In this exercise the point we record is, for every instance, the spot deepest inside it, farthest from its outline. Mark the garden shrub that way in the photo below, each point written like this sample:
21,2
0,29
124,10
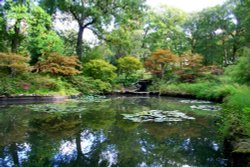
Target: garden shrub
13,63
100,69
59,65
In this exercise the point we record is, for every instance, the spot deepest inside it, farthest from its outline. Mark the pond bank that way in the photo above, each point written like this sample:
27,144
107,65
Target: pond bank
24,99
168,94
237,150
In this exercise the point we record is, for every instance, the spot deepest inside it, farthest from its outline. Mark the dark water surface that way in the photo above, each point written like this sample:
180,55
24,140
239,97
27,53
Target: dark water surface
78,133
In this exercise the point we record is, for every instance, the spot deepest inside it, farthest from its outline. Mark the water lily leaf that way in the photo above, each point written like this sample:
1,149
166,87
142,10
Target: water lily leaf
206,107
157,116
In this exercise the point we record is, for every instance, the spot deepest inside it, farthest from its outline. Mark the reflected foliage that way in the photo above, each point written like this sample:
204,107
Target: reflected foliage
99,136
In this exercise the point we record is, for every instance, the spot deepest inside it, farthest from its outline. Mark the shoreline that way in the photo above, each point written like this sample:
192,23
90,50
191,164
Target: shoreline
24,99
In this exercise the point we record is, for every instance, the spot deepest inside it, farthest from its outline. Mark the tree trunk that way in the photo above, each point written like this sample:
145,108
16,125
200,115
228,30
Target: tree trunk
79,42
234,53
192,45
162,71
15,40
225,57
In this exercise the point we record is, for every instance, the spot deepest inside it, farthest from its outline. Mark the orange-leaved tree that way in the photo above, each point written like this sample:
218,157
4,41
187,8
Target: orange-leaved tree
190,65
59,65
161,61
13,63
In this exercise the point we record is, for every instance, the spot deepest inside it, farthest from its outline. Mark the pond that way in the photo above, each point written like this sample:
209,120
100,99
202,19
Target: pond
96,133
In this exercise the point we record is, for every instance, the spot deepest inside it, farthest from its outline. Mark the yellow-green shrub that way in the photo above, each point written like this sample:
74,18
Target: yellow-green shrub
100,69
13,63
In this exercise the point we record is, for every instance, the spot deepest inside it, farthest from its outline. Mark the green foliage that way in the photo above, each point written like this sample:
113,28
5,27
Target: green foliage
128,65
240,98
127,40
98,52
95,15
242,14
69,38
214,33
44,44
35,84
120,41
16,15
128,81
240,72
236,112
203,89
100,69
164,29
42,40
3,32
87,85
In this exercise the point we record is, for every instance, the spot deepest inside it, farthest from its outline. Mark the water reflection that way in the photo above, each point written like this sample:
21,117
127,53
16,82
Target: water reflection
98,136
14,154
110,155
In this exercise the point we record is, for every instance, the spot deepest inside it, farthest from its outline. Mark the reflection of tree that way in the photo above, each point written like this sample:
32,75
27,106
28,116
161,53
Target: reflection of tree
56,125
84,150
48,130
13,125
180,143
14,154
13,130
99,117
132,104
98,136
189,128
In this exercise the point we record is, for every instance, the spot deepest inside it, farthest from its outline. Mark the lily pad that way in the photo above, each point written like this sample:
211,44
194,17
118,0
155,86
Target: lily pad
206,107
53,108
195,101
92,99
157,116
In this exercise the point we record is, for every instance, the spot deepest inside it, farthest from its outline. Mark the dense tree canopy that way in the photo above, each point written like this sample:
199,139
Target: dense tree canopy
167,41
97,15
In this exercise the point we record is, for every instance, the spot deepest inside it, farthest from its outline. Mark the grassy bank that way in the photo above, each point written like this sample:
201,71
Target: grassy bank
36,84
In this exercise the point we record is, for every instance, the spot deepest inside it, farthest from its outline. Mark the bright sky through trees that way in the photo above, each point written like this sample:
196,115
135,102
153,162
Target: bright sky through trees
186,5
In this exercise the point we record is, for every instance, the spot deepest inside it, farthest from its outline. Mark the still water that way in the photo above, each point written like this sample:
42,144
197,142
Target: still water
94,133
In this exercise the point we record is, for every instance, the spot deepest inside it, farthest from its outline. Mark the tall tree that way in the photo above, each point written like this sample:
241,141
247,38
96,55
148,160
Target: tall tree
242,16
42,40
3,30
16,14
214,33
98,14
163,29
